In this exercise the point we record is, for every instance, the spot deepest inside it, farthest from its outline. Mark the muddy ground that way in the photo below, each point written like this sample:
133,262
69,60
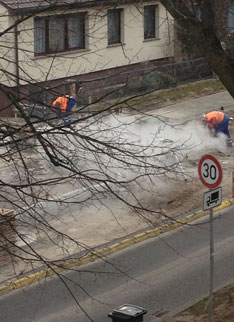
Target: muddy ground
223,308
191,192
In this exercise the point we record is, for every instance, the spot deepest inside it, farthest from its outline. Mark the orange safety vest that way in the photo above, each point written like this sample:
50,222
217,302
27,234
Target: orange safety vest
62,102
214,117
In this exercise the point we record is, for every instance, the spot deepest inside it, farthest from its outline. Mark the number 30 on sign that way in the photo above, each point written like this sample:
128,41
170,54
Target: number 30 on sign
210,171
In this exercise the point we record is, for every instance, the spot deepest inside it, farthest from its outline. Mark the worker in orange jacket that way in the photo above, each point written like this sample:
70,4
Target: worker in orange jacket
219,121
63,107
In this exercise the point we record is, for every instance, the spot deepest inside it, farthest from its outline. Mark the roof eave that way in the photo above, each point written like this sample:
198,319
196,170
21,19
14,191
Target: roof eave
88,3
6,6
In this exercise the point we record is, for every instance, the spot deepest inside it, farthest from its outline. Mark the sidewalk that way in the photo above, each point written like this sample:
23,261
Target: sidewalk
196,107
94,227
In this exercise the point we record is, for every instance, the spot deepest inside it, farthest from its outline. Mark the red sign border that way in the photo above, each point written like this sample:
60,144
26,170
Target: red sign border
217,183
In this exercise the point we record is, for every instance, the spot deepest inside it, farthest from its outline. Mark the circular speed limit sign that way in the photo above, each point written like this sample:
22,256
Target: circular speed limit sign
210,171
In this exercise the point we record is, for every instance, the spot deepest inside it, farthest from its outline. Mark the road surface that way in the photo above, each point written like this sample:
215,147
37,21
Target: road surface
161,275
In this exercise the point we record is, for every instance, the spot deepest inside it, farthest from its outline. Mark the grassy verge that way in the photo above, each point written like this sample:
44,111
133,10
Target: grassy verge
165,97
180,93
223,308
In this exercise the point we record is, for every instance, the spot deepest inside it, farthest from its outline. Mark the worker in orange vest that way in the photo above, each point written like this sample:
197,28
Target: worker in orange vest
63,107
219,121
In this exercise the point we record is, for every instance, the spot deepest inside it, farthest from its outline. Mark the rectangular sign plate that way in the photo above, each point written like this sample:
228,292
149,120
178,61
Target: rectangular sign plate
212,198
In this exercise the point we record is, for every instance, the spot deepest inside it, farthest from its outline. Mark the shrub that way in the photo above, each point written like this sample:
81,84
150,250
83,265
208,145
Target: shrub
150,81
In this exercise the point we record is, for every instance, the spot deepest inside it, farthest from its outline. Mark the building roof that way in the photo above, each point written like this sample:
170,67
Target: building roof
24,4
20,6
27,6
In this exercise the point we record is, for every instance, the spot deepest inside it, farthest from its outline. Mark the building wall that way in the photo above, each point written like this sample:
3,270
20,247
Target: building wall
99,55
7,49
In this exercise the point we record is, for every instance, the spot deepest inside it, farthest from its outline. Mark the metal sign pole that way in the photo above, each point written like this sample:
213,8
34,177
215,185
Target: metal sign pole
211,266
210,173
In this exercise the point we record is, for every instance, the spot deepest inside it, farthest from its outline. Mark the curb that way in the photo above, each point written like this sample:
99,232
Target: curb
98,254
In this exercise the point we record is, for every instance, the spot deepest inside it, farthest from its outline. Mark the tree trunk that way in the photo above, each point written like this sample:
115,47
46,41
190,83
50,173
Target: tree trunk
204,35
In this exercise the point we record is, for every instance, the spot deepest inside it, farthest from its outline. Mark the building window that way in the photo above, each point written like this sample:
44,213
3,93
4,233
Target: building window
150,22
197,12
59,33
230,15
114,26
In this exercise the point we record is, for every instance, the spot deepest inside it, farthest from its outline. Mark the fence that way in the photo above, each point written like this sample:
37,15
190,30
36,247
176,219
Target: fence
145,80
126,82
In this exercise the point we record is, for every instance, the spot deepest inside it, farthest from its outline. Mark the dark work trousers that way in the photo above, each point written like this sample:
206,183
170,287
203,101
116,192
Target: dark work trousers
64,115
223,127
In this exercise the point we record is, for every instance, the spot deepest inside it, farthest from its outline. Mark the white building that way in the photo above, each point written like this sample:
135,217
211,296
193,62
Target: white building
72,40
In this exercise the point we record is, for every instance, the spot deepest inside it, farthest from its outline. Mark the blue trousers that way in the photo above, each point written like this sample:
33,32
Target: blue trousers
223,127
66,116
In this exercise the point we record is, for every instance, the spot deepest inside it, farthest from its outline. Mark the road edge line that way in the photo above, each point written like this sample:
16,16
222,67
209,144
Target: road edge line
103,252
